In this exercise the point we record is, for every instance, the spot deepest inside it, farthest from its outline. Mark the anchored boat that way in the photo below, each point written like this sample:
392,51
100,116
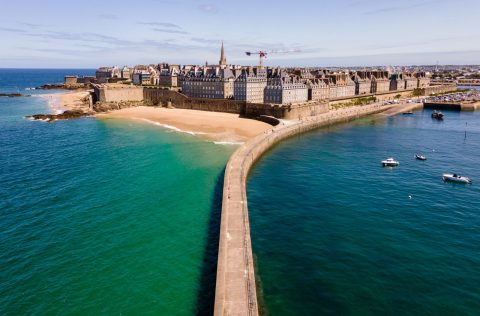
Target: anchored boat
455,178
437,115
390,162
420,157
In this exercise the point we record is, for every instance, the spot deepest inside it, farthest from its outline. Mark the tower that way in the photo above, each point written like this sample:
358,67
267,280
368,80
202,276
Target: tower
223,60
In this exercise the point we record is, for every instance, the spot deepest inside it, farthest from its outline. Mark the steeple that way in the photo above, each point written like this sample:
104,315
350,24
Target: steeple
223,60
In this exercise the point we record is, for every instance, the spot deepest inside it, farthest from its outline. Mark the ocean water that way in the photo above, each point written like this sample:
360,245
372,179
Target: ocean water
103,217
334,233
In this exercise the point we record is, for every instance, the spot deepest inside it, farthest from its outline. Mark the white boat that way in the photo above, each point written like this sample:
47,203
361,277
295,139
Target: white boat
390,162
420,157
455,178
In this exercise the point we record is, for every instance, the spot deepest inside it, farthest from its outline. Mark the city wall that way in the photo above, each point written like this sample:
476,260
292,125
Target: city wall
118,93
403,94
235,288
165,97
440,89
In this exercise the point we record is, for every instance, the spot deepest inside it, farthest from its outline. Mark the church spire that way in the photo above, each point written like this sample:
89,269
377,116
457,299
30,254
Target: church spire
223,60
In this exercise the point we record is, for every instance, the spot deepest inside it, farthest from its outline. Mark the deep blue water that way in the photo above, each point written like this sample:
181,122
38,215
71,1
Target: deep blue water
334,233
17,80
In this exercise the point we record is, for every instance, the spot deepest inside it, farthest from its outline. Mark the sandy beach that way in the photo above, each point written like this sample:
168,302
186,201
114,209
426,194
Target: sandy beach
220,127
60,102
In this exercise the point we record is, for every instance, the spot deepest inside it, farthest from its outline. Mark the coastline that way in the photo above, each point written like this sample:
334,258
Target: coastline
220,127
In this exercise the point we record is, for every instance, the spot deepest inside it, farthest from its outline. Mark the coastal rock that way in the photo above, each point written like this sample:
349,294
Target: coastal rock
61,86
71,114
13,95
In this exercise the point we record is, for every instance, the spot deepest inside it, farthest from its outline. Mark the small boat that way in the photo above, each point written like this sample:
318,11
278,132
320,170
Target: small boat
437,115
455,178
390,162
420,157
407,113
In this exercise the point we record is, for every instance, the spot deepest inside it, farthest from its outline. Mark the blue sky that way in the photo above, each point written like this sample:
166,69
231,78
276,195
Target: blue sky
88,33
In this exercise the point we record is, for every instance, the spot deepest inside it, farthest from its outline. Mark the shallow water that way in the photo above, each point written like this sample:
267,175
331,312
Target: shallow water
104,216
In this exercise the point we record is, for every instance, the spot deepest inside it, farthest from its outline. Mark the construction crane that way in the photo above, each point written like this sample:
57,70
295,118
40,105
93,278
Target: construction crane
260,53
263,54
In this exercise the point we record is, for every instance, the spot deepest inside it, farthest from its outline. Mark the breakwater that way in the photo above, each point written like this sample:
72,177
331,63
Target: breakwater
235,288
457,106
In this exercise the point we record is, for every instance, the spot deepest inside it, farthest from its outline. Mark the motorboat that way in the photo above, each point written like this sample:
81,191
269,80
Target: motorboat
437,115
407,113
390,162
420,157
455,178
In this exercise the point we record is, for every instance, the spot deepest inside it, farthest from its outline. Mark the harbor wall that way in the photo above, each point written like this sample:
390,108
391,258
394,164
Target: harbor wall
235,287
457,106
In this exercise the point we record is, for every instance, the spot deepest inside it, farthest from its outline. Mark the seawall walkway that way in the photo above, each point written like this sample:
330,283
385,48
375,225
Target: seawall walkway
235,288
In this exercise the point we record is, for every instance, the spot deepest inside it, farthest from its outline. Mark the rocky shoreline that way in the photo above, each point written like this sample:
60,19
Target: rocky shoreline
69,114
61,86
14,95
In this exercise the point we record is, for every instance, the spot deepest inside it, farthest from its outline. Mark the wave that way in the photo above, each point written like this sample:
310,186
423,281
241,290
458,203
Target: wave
228,143
171,127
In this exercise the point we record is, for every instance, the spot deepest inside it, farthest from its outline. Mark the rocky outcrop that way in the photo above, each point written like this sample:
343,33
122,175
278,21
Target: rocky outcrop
110,106
71,114
61,86
13,95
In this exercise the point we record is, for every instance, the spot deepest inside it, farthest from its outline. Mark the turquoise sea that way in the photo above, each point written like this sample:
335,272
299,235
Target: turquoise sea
334,233
103,217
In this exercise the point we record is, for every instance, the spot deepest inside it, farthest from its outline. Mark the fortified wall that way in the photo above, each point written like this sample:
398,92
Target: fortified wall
165,97
117,93
440,89
114,94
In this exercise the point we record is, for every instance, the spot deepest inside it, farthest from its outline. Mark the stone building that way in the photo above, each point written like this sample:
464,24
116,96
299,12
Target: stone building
250,85
397,83
423,80
223,59
169,75
210,82
104,74
126,73
70,80
286,90
341,85
380,82
363,84
318,89
411,81
141,77
154,75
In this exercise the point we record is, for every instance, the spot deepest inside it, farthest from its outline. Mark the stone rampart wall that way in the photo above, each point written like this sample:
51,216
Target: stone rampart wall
118,94
440,89
165,97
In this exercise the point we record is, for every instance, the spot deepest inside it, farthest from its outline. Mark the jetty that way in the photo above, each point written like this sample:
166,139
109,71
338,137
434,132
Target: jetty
457,106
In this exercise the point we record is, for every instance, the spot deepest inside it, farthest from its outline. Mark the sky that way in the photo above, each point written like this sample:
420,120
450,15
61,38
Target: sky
93,33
